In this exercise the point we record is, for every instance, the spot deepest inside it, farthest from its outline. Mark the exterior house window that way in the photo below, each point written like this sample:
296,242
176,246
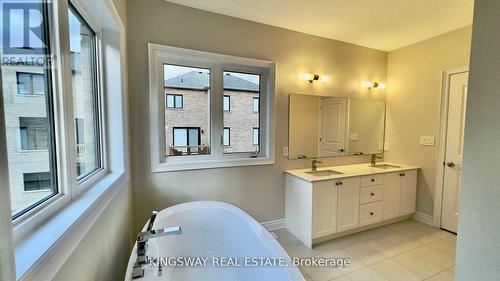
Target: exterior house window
187,140
175,101
222,141
226,140
34,133
227,103
30,83
256,102
255,136
37,181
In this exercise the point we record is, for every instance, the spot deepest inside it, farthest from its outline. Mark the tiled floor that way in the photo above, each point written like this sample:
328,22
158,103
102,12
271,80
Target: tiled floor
404,251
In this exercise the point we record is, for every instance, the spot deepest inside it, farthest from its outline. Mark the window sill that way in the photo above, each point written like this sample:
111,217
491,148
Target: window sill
41,254
210,164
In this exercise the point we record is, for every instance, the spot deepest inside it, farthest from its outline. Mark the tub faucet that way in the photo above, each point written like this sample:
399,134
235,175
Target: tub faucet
314,164
142,239
374,158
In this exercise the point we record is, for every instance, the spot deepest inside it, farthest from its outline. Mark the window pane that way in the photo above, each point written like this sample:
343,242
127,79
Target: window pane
170,101
256,104
85,98
227,103
178,101
256,136
243,88
187,131
226,141
29,120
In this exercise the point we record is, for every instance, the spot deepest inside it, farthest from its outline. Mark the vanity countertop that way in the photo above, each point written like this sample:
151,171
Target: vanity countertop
347,171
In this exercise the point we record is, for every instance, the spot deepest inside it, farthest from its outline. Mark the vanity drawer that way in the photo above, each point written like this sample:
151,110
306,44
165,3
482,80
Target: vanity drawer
371,194
370,213
372,180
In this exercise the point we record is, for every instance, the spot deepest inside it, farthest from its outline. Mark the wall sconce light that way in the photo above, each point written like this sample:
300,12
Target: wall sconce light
370,84
313,77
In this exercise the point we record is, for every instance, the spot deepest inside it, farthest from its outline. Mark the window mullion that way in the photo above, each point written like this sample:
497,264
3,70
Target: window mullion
216,111
67,145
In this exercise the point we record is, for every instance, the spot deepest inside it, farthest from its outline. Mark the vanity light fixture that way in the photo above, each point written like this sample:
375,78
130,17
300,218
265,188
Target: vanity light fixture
313,77
370,84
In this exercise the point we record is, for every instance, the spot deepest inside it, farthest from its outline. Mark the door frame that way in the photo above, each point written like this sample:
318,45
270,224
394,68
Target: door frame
443,131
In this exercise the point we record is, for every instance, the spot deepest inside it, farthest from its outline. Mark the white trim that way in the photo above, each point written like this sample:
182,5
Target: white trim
83,213
274,225
160,54
443,123
422,217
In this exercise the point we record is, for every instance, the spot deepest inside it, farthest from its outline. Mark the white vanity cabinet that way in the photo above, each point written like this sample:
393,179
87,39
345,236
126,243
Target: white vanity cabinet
319,208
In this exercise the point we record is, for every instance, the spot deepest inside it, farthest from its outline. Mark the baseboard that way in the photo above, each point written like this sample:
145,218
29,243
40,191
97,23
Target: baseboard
425,218
274,225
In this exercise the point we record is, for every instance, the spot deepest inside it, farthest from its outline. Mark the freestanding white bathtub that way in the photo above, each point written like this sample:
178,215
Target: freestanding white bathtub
235,246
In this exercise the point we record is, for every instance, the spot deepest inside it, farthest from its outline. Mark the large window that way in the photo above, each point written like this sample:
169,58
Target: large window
29,121
244,88
187,131
85,94
222,96
30,83
51,107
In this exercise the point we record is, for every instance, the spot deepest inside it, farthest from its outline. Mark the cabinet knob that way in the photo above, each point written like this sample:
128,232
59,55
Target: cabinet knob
372,194
371,213
402,175
340,183
373,180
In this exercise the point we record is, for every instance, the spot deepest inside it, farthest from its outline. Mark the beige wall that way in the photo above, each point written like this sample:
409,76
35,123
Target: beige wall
259,190
367,120
478,240
103,254
413,103
303,126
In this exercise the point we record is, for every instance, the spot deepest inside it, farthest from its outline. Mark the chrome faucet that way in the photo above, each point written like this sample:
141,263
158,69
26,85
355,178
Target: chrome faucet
374,158
142,239
314,164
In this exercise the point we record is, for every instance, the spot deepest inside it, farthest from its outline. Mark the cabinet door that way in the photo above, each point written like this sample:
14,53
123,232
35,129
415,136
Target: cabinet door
408,192
347,203
324,208
390,205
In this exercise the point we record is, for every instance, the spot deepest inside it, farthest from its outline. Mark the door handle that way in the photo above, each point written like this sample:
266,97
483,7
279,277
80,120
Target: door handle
341,150
450,164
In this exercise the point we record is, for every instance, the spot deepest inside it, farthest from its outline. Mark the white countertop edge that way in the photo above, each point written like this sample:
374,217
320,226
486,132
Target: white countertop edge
301,173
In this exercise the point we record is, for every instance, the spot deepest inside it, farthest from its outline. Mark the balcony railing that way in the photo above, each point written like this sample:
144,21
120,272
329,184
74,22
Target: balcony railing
179,150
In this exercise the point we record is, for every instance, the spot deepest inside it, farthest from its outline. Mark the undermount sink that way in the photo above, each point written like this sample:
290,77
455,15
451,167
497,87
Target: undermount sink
324,173
384,166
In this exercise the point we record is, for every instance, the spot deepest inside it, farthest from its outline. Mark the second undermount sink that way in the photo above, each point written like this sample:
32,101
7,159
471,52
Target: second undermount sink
385,166
324,173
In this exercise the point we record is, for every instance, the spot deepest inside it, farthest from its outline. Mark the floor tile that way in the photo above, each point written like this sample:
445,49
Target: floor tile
392,271
366,274
442,276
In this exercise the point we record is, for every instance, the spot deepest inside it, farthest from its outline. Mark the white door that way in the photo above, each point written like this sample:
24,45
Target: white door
347,203
454,147
333,126
324,208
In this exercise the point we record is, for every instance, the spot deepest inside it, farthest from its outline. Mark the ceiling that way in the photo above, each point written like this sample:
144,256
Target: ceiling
379,24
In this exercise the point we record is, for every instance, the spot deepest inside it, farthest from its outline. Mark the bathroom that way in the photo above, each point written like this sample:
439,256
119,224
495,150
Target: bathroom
387,69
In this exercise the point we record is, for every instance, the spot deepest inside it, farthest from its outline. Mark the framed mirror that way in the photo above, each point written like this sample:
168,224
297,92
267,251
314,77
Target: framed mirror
321,126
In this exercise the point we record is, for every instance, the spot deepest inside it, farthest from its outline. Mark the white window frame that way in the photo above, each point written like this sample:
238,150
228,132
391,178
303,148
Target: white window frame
69,188
217,63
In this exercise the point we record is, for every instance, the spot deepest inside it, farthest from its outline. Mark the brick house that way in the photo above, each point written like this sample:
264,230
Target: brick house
187,114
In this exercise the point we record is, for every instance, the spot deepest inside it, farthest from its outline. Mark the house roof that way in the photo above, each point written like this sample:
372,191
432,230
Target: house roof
200,81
